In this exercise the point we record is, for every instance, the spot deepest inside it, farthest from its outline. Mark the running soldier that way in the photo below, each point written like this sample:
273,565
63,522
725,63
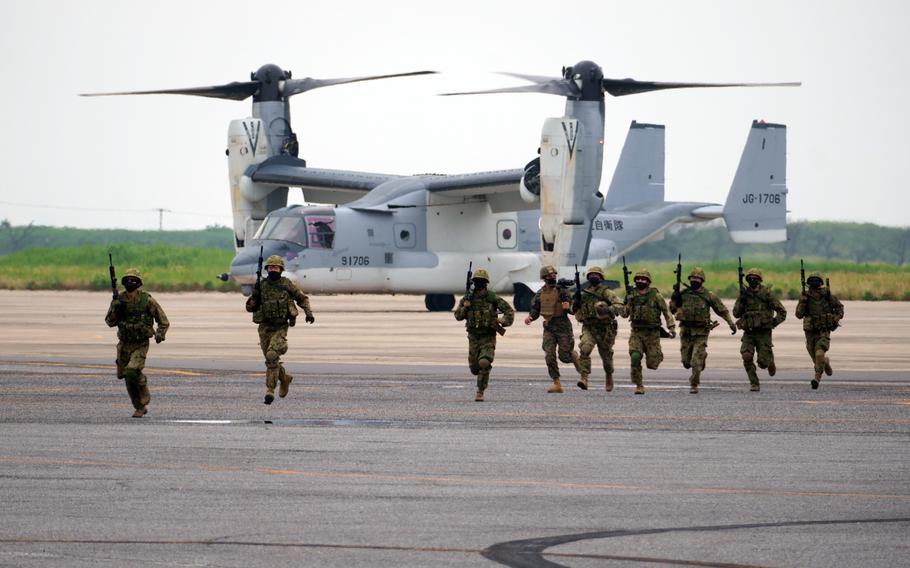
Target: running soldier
134,313
552,303
821,314
480,310
758,312
692,308
272,306
644,307
597,314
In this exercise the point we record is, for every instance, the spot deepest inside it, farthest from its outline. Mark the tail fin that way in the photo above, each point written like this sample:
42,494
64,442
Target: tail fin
639,174
756,207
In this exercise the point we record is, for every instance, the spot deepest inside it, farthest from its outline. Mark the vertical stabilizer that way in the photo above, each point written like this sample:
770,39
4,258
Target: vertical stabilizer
639,174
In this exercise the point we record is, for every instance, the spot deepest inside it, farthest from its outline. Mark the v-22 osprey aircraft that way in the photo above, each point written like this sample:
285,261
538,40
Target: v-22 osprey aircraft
417,234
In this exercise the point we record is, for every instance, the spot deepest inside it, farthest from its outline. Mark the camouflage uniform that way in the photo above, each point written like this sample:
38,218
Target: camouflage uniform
480,312
557,330
758,312
644,308
134,315
821,314
597,314
274,311
693,312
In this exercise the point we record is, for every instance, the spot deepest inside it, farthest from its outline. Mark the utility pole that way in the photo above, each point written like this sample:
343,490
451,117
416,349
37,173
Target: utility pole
161,211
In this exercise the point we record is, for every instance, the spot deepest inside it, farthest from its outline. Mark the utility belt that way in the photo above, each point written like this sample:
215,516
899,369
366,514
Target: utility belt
753,321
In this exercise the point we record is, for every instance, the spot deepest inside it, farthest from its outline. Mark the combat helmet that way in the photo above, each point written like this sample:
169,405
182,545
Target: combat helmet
697,272
817,275
132,273
545,270
481,274
643,274
754,272
595,270
275,260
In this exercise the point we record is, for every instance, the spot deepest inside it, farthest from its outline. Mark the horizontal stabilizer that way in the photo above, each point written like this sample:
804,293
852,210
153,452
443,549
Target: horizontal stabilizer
756,207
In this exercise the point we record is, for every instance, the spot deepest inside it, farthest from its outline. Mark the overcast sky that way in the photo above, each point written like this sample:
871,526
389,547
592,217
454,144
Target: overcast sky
848,155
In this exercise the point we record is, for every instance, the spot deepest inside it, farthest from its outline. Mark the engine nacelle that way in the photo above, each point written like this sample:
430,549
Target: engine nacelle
529,188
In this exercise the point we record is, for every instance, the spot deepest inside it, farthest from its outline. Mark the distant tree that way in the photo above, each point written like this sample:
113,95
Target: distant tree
16,237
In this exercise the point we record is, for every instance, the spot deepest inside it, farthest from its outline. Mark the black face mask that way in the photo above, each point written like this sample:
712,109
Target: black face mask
815,283
480,284
273,276
641,285
594,279
550,281
694,284
131,284
753,282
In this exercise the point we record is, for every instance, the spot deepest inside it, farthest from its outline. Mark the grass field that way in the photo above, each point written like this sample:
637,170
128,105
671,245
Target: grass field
176,268
849,281
163,267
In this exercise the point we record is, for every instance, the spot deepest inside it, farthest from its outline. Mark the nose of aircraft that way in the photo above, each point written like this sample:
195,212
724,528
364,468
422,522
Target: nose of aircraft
243,267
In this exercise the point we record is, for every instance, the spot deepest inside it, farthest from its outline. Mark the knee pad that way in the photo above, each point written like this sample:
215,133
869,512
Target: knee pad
271,359
484,364
565,357
636,358
747,356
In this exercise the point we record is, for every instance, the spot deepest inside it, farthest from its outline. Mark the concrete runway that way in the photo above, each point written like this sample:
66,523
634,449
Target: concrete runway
379,457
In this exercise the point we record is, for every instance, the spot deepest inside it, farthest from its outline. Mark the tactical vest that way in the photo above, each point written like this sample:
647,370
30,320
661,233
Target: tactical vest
550,303
135,322
696,310
819,314
644,312
593,295
480,316
757,311
274,303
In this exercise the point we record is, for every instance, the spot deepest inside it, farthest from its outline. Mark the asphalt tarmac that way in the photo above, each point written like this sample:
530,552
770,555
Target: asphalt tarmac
380,457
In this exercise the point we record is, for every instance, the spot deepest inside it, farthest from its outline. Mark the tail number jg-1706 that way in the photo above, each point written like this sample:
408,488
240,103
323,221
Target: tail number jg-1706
763,198
355,261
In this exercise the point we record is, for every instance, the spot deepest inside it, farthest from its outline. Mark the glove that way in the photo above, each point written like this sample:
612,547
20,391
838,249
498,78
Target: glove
733,328
292,322
466,303
672,334
528,320
159,337
310,318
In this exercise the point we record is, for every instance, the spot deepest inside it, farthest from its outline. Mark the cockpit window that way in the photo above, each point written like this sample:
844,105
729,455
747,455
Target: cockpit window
290,229
320,231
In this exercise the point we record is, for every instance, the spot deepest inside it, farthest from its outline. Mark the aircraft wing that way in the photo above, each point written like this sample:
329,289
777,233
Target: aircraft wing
499,188
318,185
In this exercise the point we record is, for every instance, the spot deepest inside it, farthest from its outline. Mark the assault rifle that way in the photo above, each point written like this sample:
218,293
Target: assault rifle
676,297
110,260
467,281
576,301
625,277
802,275
742,288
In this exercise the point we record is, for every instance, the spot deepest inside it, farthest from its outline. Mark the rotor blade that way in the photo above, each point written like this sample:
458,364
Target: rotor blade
558,87
234,91
296,86
621,87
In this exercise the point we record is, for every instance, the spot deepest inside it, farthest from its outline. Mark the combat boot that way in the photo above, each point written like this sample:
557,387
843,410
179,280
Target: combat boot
639,389
693,389
583,382
772,369
479,396
815,382
140,412
755,387
555,387
609,384
269,396
285,380
828,370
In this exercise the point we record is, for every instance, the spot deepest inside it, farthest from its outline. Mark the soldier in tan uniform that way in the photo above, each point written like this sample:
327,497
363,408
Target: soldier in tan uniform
644,307
553,305
692,307
759,312
273,309
134,313
821,314
597,314
480,311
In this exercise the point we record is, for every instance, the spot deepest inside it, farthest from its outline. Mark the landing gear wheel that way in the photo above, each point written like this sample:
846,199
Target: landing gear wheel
439,302
522,297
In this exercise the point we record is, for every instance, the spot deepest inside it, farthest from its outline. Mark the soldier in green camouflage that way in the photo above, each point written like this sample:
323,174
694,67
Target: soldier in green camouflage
758,312
480,311
644,307
597,314
273,309
134,313
692,308
553,305
821,314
